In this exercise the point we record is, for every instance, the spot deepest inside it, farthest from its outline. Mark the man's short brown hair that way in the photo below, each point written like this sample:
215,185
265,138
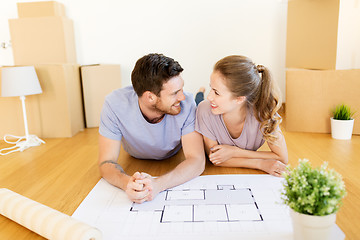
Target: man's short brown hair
152,71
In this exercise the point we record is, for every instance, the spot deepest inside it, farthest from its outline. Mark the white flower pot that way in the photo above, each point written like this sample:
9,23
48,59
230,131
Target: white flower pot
341,129
309,227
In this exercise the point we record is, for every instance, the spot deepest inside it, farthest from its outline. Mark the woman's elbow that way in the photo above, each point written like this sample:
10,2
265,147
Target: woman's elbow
285,159
282,157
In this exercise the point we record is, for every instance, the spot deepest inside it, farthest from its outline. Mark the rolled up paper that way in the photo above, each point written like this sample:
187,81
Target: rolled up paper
43,220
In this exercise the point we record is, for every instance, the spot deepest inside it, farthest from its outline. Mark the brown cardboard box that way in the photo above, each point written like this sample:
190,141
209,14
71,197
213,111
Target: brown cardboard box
11,117
97,82
312,29
311,95
61,109
44,40
40,9
57,112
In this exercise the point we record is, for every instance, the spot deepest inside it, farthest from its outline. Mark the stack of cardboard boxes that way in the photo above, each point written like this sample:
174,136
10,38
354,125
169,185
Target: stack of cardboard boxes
43,36
314,86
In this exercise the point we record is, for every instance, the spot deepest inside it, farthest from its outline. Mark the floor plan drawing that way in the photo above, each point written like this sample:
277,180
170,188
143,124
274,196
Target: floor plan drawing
206,208
223,204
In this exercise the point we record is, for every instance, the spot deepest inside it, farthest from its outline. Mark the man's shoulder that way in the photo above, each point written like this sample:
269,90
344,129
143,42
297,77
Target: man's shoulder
121,95
121,100
189,99
188,104
125,92
188,95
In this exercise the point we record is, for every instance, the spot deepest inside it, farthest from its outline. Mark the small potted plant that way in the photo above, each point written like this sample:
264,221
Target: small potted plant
314,195
342,122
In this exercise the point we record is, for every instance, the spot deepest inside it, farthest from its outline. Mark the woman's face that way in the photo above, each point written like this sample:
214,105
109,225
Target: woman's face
221,99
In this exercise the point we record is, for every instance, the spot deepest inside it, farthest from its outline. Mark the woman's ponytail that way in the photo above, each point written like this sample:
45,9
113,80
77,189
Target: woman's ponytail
266,104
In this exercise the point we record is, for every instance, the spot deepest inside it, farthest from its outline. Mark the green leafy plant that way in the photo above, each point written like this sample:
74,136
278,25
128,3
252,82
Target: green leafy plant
317,191
342,112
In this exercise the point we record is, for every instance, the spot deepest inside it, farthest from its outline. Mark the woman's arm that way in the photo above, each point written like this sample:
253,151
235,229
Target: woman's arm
273,162
278,151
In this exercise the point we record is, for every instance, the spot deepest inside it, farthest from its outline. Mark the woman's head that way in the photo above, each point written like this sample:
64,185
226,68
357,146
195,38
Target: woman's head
241,76
252,83
221,98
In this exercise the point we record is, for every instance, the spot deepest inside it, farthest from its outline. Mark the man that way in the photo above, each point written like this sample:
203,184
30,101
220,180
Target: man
151,119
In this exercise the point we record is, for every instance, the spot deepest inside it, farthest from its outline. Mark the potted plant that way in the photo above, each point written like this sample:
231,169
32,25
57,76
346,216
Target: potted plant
342,122
314,195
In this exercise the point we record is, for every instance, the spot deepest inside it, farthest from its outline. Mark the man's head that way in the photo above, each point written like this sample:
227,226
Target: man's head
152,71
156,80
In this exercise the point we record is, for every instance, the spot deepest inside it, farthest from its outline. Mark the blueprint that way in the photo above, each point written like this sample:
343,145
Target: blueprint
207,207
224,204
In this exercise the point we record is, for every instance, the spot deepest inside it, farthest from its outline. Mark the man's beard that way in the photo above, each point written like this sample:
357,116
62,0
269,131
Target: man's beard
171,110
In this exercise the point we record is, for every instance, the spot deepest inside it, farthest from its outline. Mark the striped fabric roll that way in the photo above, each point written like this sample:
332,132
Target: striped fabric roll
43,220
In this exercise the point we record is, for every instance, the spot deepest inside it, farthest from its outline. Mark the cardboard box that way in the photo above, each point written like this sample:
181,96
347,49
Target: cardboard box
61,110
311,95
312,33
97,82
57,112
45,40
40,9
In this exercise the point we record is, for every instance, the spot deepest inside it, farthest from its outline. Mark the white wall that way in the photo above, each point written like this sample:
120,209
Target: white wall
348,41
7,10
196,33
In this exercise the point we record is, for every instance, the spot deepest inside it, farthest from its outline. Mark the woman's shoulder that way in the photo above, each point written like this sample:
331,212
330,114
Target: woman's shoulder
253,122
204,109
206,122
251,115
204,106
251,119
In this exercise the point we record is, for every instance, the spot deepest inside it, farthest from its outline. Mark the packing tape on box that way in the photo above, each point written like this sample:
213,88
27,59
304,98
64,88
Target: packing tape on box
43,220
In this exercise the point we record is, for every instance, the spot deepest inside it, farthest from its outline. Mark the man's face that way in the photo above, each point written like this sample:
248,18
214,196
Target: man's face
170,96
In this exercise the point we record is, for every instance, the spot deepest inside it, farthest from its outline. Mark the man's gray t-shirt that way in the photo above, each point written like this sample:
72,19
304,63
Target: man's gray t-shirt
122,120
213,127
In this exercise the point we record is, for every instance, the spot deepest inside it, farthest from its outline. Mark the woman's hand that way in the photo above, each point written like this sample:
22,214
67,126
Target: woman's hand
221,153
273,167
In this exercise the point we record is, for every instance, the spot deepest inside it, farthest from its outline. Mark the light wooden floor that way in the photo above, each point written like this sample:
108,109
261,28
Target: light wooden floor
344,157
61,173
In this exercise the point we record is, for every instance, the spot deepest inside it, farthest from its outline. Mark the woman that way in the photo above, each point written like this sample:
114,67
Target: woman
240,115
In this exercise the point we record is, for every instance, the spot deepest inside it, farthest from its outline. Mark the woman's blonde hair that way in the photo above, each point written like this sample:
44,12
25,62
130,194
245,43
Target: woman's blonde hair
244,78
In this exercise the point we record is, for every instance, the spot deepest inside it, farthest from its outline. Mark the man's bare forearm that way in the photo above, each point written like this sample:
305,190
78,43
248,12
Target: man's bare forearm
185,171
191,167
112,172
117,166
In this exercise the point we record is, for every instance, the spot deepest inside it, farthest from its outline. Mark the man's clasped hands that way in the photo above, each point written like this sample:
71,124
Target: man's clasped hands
141,187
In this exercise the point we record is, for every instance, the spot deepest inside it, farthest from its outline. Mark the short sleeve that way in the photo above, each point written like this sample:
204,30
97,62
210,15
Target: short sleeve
189,124
203,120
109,123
